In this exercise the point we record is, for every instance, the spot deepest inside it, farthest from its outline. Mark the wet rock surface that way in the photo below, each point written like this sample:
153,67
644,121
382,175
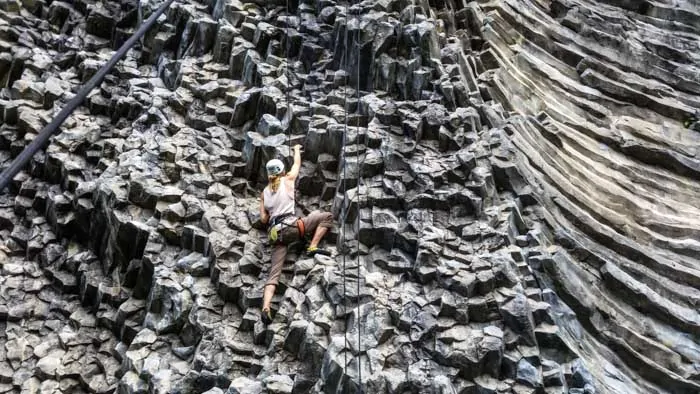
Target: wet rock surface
131,259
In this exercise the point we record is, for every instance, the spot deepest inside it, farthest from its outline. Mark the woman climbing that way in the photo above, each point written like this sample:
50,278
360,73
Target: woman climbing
277,210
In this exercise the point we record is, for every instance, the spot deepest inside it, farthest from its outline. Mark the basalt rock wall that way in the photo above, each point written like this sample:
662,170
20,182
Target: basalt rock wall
606,134
514,184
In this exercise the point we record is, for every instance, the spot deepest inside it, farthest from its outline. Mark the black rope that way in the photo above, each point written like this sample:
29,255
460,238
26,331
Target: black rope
23,158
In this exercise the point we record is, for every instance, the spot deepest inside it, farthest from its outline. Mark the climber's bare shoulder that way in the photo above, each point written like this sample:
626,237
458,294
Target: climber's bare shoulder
290,180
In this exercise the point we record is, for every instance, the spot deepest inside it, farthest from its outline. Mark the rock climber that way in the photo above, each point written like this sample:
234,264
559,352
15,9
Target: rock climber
277,211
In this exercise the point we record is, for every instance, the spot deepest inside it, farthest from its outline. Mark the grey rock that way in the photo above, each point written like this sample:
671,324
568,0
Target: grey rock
486,384
100,22
528,374
6,373
479,152
281,384
217,191
552,375
295,336
491,355
194,264
168,306
243,109
31,385
131,383
580,375
269,125
518,317
243,385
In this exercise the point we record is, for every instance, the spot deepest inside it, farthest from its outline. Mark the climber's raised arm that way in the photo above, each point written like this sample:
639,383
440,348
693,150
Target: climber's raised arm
294,172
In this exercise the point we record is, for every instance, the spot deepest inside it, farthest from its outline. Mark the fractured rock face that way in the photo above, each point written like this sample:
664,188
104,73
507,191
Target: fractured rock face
621,235
473,156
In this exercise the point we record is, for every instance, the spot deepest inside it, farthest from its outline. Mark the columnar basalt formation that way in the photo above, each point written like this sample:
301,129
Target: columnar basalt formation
606,134
518,180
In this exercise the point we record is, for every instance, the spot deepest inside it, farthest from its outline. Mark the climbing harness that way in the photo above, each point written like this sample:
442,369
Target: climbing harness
278,223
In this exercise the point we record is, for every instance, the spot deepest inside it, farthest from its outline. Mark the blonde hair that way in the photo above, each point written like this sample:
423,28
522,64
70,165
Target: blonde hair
274,182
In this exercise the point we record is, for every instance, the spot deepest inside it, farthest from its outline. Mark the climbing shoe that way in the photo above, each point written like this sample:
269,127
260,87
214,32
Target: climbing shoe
312,251
266,316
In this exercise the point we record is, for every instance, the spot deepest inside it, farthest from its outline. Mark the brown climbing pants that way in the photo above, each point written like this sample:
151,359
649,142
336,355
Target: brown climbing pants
290,234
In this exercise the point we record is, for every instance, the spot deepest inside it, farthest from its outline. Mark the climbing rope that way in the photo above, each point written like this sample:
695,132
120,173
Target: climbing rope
40,140
343,213
414,3
358,42
289,114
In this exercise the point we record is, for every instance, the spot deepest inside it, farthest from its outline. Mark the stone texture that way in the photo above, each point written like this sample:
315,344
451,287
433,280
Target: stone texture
519,183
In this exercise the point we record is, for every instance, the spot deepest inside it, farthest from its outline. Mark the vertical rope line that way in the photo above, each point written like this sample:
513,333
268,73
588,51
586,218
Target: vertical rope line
415,4
386,139
289,114
358,43
344,66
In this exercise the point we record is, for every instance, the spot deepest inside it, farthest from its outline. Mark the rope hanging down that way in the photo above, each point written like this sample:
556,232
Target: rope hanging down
40,140
343,213
358,42
345,67
289,114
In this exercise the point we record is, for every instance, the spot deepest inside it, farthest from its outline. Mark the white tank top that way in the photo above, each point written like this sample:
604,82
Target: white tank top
280,202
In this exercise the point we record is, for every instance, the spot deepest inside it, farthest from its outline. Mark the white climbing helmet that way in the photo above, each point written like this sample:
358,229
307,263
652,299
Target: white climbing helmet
274,167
